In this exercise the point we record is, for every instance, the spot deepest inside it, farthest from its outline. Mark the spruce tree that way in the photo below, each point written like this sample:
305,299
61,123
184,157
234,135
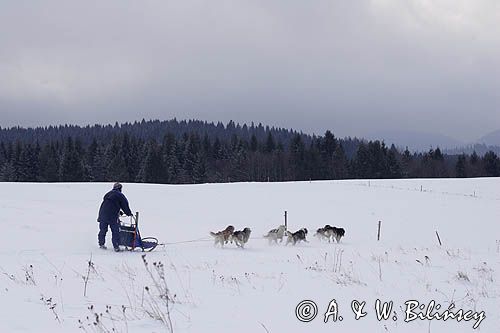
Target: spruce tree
270,144
71,168
340,163
393,165
200,169
152,169
406,163
460,167
8,172
297,158
254,144
116,167
491,164
49,164
361,165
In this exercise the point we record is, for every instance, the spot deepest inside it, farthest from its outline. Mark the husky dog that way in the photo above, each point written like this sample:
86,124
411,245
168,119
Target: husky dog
296,237
223,236
275,234
324,233
241,237
338,233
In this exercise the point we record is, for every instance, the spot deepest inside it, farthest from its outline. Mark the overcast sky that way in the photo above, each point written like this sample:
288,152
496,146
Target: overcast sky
356,67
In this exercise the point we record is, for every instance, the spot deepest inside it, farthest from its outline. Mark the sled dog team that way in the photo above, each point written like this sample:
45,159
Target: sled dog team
241,237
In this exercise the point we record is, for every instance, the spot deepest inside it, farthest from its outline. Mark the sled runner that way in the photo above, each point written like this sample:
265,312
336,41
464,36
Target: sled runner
130,237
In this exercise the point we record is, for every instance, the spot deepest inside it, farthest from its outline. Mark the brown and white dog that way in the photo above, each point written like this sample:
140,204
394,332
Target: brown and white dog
223,236
241,237
296,237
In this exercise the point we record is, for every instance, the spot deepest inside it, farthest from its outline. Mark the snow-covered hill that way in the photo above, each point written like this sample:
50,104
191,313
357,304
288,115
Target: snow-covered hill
50,235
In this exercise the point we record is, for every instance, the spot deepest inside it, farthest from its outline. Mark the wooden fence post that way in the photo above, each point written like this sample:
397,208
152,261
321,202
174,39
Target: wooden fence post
378,233
286,222
439,239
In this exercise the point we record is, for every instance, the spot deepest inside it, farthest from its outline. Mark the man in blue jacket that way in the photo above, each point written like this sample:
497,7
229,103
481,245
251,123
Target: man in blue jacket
112,202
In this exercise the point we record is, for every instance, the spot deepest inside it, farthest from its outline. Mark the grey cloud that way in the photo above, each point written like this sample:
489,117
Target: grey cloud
356,67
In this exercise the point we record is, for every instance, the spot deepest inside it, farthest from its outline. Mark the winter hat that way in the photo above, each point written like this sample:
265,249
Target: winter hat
117,186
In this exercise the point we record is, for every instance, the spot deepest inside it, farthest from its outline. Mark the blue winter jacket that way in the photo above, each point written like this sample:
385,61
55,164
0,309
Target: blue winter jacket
112,202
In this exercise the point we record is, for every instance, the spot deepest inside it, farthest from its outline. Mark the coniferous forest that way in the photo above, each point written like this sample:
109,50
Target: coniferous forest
181,152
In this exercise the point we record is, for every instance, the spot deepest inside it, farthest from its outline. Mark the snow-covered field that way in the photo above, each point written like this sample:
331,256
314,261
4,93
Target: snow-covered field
49,235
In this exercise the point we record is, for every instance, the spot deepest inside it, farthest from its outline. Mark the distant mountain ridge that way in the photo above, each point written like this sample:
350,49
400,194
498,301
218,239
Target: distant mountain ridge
416,141
492,138
488,142
424,141
479,148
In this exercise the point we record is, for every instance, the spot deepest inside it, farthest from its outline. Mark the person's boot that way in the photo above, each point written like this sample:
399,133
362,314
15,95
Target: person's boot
117,249
103,247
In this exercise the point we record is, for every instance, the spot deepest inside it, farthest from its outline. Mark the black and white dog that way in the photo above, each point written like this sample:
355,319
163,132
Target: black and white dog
241,237
324,233
296,237
338,233
330,233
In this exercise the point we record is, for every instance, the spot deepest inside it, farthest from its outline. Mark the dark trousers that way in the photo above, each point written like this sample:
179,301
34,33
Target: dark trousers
115,232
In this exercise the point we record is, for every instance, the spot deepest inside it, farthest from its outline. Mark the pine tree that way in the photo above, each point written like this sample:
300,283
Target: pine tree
71,168
297,158
312,164
270,144
172,164
152,169
340,163
217,150
237,162
475,167
98,163
129,158
474,158
361,165
327,147
433,164
200,169
406,163
460,167
8,172
491,164
17,162
25,168
393,165
329,144
192,148
116,167
254,144
49,164
3,154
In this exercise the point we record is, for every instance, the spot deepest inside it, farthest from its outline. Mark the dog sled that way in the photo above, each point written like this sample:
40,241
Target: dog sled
131,239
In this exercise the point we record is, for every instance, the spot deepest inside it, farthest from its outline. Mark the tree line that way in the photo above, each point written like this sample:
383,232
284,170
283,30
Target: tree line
198,152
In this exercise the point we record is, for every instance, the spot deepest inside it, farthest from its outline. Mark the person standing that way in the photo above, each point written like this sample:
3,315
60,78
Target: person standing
112,203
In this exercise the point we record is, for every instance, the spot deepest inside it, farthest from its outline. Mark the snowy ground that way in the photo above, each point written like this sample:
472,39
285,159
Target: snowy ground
49,236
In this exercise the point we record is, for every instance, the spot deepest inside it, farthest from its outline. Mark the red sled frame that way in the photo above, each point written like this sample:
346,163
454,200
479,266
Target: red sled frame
131,239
